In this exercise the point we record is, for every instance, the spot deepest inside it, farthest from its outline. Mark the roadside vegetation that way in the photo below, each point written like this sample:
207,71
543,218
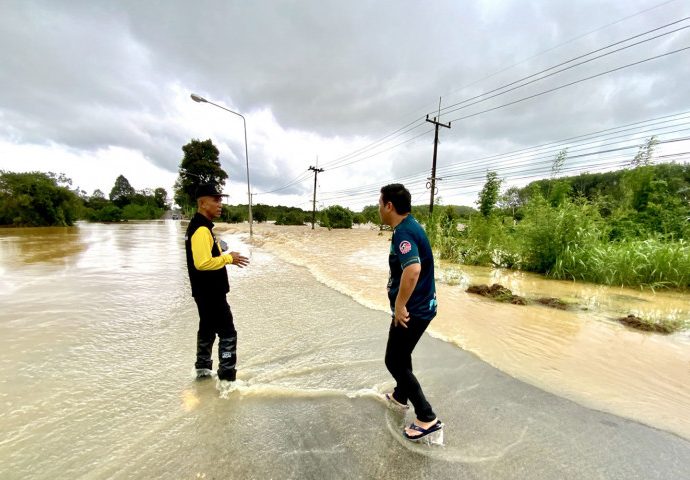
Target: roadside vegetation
629,227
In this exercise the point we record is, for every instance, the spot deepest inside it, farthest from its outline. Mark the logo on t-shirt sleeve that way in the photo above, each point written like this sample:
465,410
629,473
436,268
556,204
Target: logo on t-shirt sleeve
405,247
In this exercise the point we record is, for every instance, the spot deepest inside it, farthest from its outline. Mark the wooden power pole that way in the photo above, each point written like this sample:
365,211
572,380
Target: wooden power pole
432,180
313,208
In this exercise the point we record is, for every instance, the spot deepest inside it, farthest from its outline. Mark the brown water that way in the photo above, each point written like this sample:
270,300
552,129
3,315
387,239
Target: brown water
97,332
582,354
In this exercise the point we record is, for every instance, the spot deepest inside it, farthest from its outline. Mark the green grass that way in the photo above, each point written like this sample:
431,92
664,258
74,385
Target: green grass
651,263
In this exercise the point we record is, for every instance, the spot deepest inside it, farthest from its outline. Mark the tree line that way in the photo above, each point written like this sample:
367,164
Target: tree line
48,199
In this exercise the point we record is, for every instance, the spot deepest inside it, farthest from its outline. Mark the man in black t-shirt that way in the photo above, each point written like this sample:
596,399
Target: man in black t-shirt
412,295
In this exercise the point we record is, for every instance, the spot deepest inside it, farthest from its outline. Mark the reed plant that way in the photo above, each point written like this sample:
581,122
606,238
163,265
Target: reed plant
481,241
546,233
654,262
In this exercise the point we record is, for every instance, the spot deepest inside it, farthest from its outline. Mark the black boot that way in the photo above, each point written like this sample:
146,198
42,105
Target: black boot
227,358
204,346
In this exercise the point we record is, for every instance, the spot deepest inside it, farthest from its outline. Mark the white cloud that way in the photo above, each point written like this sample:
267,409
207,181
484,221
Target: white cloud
88,170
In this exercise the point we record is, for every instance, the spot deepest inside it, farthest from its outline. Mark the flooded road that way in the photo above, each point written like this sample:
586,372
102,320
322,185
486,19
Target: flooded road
582,353
97,332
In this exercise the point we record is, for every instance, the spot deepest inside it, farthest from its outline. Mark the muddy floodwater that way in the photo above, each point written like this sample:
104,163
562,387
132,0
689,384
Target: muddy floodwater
581,353
97,332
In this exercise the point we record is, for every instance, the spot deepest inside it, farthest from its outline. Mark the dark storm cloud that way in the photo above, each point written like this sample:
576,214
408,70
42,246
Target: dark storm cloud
90,75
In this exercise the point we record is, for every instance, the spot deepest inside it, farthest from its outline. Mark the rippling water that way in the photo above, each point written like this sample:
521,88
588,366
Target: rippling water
580,353
97,332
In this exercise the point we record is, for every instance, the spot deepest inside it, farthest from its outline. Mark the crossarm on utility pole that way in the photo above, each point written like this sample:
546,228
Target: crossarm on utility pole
433,166
313,209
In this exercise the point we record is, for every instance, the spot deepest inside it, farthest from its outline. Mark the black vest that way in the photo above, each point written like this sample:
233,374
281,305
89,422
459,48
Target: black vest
204,282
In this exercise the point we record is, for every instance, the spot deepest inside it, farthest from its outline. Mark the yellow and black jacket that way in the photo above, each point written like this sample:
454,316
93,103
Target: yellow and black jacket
205,261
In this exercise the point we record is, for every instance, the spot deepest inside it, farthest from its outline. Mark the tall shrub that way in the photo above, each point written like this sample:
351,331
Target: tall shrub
546,232
336,217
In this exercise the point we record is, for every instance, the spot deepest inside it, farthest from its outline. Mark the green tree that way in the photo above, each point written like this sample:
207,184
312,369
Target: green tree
200,164
109,213
645,153
97,200
234,214
141,211
465,212
37,199
161,197
260,213
290,218
489,194
371,214
122,192
336,217
559,190
359,219
510,200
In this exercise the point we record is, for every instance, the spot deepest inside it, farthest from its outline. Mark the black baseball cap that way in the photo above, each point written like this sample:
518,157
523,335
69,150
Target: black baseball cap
209,190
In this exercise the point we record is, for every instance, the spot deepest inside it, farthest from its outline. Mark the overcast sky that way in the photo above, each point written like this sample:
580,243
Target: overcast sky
96,89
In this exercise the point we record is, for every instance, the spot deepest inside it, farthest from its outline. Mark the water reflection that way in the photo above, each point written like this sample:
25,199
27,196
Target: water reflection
45,244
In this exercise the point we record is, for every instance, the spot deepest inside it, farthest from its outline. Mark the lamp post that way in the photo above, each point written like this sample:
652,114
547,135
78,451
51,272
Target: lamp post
200,99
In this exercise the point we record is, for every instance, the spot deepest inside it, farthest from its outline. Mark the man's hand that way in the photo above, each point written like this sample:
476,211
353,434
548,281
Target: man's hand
239,260
401,316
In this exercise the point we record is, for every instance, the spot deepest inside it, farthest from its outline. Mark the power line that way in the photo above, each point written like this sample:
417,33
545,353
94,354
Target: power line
449,109
391,136
535,169
383,151
527,171
333,162
589,138
656,57
571,40
298,179
400,132
616,162
539,168
549,155
545,167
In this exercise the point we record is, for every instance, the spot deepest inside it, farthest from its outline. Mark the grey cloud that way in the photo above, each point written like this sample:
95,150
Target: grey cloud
90,75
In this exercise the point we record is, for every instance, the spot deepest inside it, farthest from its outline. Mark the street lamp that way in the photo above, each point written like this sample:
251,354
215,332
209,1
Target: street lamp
200,99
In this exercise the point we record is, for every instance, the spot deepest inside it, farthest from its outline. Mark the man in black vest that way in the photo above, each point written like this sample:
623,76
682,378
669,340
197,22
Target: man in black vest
206,266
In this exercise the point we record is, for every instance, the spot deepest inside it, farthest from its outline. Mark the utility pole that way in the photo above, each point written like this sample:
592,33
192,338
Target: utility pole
432,181
313,209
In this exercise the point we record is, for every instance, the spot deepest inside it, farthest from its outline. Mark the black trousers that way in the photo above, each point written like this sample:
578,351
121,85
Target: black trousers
215,318
401,343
